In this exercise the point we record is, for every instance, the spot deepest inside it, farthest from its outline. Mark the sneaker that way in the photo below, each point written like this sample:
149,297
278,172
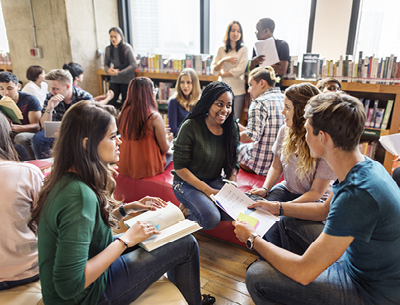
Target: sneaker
207,299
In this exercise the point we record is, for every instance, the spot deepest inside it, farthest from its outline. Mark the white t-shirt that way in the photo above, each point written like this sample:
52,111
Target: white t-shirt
19,190
33,89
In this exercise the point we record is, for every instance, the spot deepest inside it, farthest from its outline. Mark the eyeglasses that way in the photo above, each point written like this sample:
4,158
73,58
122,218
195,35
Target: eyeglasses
155,90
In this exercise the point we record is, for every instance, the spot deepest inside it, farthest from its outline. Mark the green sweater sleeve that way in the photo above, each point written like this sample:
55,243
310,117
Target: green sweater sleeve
74,226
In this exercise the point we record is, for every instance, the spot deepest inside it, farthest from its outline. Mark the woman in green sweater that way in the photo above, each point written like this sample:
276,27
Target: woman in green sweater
79,260
205,154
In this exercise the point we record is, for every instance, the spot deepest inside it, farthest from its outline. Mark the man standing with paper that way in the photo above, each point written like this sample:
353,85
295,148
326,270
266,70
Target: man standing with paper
269,51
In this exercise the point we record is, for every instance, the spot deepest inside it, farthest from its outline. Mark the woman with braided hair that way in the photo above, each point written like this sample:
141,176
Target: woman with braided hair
205,147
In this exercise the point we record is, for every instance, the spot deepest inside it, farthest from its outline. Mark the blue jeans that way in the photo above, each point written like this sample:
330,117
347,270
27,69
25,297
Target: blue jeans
11,284
267,285
280,193
201,208
136,269
42,145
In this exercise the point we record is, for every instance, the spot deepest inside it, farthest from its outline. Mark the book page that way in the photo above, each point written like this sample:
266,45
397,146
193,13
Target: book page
160,218
170,234
391,143
234,202
267,48
10,109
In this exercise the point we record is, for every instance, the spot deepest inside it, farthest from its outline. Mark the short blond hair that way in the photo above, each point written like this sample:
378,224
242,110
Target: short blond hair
59,75
266,73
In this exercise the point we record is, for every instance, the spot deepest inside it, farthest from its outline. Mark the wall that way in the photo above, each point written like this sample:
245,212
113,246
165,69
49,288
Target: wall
331,28
65,30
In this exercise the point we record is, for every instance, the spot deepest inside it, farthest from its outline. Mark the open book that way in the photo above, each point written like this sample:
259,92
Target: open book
235,203
391,143
169,221
10,109
267,48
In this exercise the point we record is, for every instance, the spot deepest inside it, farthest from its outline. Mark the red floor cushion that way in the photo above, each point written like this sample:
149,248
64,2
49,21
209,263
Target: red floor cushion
129,189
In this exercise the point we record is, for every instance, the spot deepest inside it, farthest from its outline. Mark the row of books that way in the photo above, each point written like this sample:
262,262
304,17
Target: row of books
368,69
158,63
5,58
368,148
165,91
377,117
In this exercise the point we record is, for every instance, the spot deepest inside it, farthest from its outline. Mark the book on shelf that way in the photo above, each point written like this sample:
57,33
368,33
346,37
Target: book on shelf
169,221
379,117
10,109
368,148
374,108
309,67
386,116
235,203
369,117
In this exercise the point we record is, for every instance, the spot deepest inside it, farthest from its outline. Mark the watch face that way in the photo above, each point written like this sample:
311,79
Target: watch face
249,244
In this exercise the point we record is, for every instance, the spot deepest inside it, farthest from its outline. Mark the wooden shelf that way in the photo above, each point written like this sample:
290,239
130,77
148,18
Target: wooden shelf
360,88
6,68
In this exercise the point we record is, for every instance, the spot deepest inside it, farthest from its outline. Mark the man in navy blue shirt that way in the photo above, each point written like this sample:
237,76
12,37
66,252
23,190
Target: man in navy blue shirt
30,108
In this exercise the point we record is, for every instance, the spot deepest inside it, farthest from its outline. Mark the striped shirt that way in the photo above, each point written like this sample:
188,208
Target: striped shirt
264,120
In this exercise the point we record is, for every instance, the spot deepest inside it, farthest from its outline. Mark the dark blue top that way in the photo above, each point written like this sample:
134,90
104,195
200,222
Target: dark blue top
366,205
176,114
27,103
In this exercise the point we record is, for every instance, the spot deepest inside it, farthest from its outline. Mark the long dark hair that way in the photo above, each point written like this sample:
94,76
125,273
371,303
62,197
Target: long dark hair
209,95
135,111
227,40
74,68
7,151
122,47
90,120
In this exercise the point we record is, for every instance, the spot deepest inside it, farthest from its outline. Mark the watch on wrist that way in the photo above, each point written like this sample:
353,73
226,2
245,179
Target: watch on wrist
250,240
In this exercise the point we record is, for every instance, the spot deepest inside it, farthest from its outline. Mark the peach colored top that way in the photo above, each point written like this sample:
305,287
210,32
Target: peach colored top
142,158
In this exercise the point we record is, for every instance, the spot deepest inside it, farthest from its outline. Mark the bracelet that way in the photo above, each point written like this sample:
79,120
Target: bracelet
266,189
280,209
122,211
122,241
49,112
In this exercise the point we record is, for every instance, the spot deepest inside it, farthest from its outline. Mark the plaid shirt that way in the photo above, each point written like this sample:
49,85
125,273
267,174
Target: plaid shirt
265,119
61,108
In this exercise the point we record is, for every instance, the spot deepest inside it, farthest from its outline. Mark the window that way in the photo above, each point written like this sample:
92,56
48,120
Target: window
379,28
3,36
166,27
291,21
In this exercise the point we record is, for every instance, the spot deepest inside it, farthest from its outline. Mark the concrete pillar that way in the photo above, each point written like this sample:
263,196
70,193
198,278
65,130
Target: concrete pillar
65,30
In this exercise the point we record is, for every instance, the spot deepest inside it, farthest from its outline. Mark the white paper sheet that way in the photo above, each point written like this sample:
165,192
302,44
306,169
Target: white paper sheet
267,48
391,143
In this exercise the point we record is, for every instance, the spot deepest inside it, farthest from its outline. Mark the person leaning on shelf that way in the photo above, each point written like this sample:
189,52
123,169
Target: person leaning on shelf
329,84
230,64
187,93
120,64
19,194
76,71
144,139
206,145
80,262
264,120
355,259
265,29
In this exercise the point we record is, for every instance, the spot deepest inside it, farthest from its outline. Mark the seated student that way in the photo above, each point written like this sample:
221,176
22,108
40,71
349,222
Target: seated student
187,93
144,139
306,178
355,260
79,260
62,95
329,84
76,71
30,108
264,120
206,145
36,85
19,193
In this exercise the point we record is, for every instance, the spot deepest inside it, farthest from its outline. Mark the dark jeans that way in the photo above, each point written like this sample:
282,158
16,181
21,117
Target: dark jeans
42,145
118,89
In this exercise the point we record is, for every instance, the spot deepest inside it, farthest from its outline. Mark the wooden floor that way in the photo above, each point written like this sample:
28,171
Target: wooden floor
223,270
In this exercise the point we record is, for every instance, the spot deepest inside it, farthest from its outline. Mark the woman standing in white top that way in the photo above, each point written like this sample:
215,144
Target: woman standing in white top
37,86
230,64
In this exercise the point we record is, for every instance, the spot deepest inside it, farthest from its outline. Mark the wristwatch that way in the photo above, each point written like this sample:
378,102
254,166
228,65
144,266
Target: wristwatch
250,241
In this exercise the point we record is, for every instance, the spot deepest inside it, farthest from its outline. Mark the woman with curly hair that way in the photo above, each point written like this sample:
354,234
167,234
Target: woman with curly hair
305,178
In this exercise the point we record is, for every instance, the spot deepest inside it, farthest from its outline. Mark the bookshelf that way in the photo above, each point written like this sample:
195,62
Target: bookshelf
6,68
373,91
